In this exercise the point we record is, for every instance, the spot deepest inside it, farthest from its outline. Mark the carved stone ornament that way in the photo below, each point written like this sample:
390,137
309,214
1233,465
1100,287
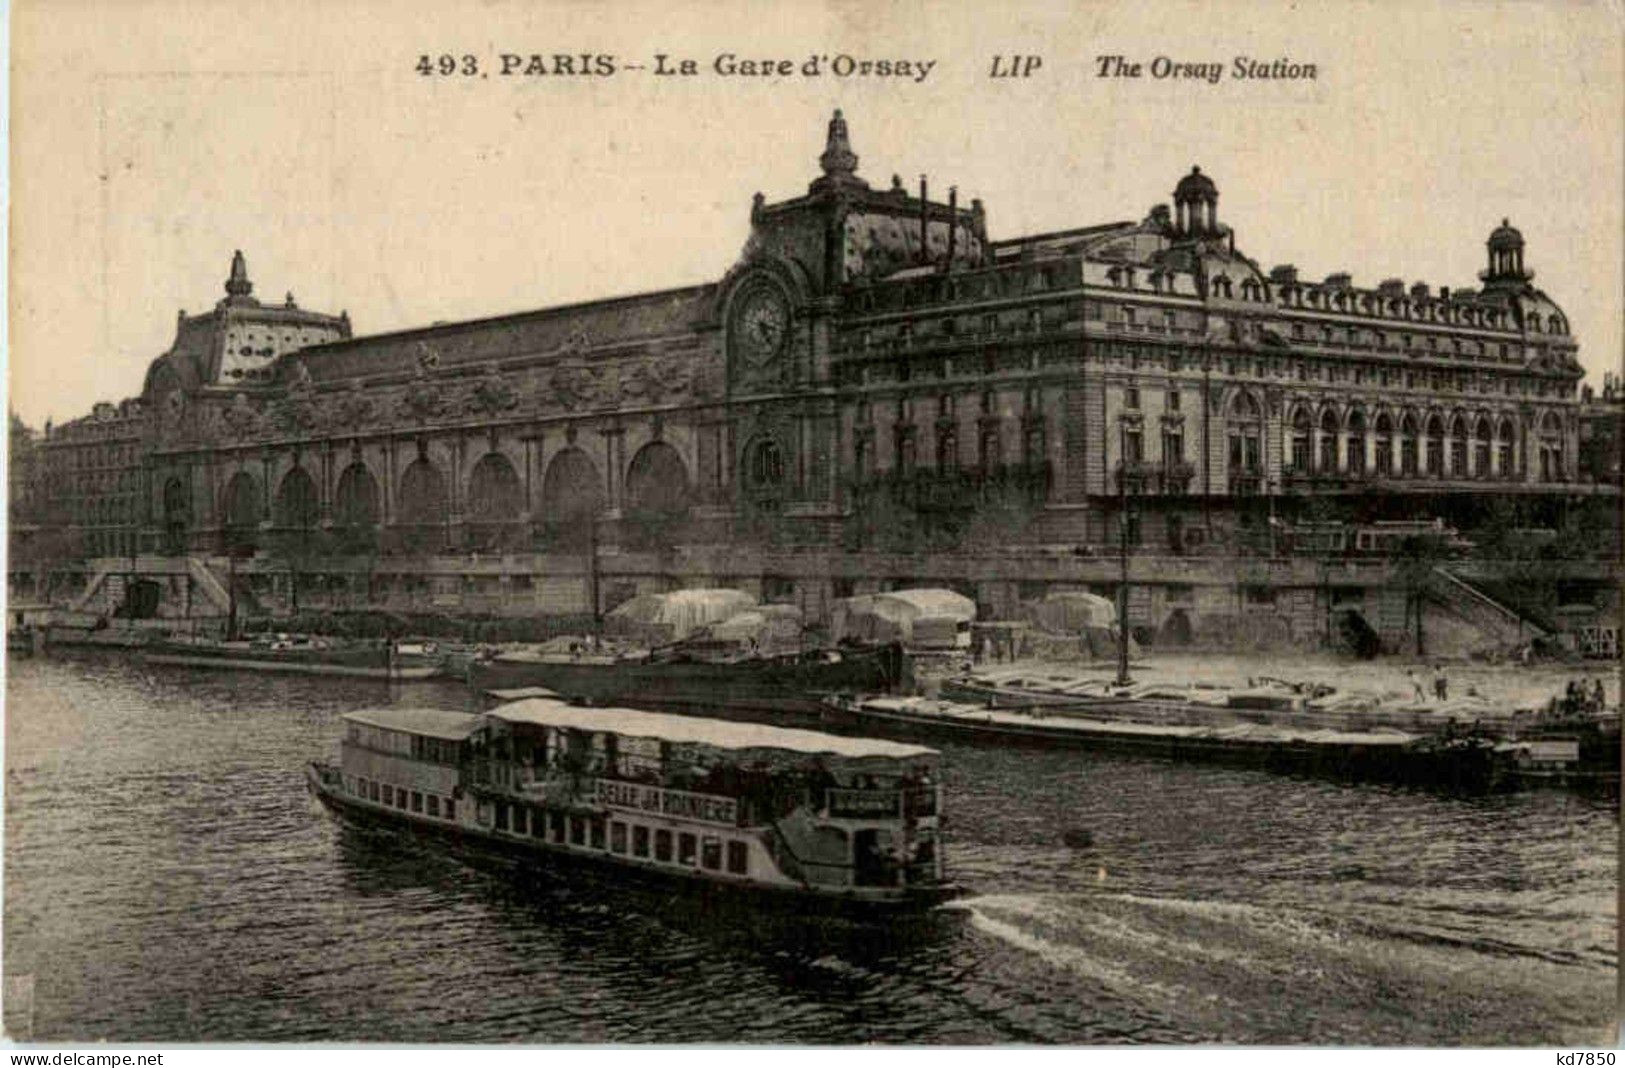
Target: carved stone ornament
355,408
576,385
241,418
492,394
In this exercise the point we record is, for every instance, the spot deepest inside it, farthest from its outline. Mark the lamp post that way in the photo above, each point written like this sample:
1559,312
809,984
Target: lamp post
1122,583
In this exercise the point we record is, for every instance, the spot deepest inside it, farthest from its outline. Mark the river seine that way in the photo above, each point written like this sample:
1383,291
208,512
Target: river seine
168,879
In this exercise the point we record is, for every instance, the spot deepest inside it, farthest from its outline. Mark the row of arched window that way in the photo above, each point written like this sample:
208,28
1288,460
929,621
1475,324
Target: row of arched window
657,481
1409,444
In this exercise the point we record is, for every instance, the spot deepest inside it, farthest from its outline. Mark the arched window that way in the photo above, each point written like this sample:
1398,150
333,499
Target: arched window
421,507
297,504
763,472
1457,447
1300,441
496,499
657,482
1328,442
1435,446
355,509
1357,442
1246,437
572,497
243,510
1551,449
1384,446
355,501
1481,448
1506,449
1407,445
177,515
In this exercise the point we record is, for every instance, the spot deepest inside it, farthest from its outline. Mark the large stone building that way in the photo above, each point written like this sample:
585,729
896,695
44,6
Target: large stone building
875,393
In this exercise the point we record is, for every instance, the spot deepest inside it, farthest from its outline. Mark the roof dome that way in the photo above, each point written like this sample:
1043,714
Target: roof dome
1506,236
1196,186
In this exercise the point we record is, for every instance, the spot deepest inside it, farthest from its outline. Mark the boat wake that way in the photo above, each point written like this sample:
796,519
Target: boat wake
1238,972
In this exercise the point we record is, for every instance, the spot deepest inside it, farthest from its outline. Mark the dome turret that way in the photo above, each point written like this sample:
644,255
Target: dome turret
1196,205
1506,256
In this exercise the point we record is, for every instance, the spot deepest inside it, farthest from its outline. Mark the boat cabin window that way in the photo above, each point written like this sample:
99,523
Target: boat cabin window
555,823
578,831
738,858
711,853
685,849
361,788
372,790
451,809
502,815
595,829
417,801
538,823
663,846
519,822
434,805
640,841
389,794
617,837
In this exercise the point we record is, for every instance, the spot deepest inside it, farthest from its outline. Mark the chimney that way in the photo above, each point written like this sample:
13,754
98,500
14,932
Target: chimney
925,251
953,222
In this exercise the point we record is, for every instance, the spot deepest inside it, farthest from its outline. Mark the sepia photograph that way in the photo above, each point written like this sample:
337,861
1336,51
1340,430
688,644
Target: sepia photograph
814,524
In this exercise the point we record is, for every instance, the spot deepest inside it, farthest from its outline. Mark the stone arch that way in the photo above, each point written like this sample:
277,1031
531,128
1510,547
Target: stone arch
421,506
298,505
657,480
572,497
356,498
243,507
496,501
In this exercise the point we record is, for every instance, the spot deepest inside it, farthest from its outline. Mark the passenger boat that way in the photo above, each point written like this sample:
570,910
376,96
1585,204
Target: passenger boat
374,660
781,689
795,816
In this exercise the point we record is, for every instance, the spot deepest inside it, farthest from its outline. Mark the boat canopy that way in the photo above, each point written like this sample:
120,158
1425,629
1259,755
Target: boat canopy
883,617
720,734
673,616
767,626
1070,611
425,722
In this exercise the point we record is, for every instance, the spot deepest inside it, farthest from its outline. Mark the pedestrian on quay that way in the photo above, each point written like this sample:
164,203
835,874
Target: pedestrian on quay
1599,697
1441,684
1416,684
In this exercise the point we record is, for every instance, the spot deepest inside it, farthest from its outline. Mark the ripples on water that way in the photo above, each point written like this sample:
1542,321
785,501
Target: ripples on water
169,879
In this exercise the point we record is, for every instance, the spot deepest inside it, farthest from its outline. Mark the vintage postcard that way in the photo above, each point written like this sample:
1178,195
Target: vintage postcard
814,523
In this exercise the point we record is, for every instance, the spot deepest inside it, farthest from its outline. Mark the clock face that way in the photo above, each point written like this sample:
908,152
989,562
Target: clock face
761,325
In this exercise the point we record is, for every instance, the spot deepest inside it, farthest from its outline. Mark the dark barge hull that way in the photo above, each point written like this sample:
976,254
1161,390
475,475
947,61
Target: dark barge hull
1467,764
362,664
529,856
786,691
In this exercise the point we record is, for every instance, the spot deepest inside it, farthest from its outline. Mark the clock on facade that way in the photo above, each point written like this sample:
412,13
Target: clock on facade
759,332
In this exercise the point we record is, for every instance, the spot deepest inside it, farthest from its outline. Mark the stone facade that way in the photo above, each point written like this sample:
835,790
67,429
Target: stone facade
875,392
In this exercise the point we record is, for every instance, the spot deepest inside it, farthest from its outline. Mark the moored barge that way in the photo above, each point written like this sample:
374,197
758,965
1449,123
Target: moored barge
802,818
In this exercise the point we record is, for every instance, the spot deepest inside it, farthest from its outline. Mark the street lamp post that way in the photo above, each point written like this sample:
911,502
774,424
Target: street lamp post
1123,546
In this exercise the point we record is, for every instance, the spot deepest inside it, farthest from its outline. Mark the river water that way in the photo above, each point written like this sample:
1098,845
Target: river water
168,879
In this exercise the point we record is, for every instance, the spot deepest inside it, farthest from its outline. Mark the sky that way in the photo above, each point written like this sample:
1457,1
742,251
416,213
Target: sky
150,138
